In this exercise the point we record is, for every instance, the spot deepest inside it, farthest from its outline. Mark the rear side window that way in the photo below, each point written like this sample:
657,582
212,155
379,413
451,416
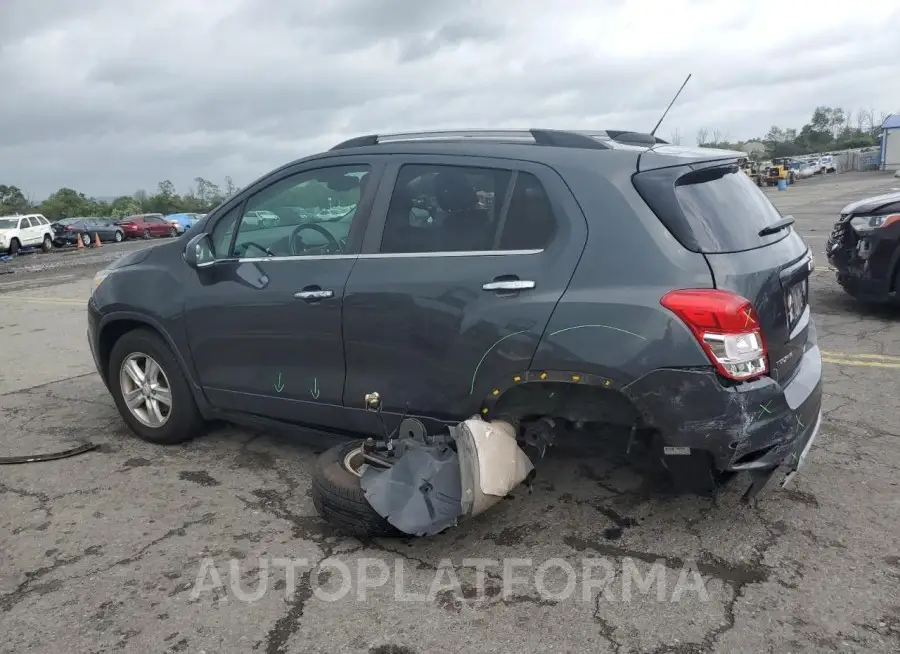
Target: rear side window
710,210
441,208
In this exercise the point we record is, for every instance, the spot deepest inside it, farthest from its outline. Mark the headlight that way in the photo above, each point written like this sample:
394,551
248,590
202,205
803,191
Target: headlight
98,279
868,224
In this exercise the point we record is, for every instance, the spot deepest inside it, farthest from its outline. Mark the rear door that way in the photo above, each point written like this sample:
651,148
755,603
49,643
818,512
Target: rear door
31,231
716,210
462,266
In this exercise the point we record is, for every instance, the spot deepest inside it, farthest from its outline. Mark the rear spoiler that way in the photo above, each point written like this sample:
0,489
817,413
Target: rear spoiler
664,156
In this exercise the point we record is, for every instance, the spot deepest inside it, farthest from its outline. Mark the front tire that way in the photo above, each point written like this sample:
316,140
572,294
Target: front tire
173,232
85,239
119,237
150,390
339,498
14,247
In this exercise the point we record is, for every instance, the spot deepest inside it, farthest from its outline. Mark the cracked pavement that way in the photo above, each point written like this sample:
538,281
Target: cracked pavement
103,551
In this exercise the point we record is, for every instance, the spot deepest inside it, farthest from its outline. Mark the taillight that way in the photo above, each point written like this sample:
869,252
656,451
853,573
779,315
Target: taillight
727,328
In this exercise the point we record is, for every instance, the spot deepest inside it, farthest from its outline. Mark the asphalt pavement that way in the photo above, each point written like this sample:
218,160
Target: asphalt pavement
214,546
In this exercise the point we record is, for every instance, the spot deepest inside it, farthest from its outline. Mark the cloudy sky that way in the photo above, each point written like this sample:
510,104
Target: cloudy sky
108,96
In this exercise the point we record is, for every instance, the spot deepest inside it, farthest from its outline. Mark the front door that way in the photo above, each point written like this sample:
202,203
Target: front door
455,294
157,226
264,321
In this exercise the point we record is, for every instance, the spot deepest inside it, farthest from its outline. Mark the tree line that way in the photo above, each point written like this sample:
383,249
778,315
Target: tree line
69,203
829,129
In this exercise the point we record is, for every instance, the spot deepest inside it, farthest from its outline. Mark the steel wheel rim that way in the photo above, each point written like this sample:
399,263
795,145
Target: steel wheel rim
145,390
353,461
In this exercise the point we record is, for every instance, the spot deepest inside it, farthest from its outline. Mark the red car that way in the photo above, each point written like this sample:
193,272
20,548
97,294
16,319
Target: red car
146,226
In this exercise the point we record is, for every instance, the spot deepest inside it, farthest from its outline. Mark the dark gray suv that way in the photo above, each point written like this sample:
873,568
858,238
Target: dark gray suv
582,276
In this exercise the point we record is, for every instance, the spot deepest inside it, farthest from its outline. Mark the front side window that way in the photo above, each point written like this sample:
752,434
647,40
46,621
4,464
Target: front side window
437,208
306,214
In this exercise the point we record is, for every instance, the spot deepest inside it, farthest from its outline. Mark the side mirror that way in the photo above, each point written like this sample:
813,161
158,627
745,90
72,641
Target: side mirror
199,252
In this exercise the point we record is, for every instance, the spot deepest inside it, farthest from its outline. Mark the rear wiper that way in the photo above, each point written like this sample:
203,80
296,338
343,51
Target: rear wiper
776,227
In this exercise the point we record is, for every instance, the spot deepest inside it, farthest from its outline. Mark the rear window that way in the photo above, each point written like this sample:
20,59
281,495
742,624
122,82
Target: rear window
711,210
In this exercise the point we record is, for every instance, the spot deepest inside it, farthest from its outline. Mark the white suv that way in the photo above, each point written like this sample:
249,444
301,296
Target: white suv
30,230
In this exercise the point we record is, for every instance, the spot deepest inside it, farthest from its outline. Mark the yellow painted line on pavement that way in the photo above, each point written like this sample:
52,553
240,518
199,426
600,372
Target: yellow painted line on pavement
854,355
49,300
861,360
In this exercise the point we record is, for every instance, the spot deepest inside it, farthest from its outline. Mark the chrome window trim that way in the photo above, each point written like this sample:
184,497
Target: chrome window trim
389,255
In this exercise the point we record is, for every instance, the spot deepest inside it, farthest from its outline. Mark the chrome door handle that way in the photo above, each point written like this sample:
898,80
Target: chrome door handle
314,295
509,285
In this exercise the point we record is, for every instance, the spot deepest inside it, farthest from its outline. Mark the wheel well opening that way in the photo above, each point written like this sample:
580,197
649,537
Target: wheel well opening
571,402
112,333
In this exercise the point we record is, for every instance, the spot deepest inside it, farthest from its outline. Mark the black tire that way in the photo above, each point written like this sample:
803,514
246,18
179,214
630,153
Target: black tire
14,246
146,234
47,245
340,500
173,232
185,421
85,239
119,237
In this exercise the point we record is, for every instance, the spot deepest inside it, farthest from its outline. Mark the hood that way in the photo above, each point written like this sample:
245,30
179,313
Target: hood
872,204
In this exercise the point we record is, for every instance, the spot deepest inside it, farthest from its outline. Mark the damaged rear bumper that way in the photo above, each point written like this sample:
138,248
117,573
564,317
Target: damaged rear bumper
751,426
782,476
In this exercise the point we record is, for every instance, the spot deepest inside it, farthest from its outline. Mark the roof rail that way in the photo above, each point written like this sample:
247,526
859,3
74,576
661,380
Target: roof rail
551,137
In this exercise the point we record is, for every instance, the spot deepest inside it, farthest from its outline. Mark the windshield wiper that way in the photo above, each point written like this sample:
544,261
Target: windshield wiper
776,227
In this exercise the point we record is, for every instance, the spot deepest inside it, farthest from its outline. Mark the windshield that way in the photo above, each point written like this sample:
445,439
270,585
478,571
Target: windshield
9,223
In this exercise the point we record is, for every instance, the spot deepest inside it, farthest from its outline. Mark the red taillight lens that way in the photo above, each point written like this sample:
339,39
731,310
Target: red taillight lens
727,327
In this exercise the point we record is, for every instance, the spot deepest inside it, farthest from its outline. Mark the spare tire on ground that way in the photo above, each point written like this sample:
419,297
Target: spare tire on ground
339,498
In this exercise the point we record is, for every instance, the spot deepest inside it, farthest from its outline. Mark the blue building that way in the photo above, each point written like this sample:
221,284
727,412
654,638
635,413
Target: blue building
890,143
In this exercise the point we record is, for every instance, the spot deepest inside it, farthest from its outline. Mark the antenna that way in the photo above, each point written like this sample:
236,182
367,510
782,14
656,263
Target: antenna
653,133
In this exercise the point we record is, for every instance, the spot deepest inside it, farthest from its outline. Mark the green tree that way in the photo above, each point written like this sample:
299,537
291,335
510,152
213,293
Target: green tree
12,200
67,203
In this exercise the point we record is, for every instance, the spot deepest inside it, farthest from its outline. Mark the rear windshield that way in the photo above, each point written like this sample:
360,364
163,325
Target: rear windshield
710,210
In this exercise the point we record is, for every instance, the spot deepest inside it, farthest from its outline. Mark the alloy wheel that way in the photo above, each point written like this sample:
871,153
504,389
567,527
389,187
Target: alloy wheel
146,390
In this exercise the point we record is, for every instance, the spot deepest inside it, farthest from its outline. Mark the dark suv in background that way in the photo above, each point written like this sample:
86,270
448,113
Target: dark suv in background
864,248
589,277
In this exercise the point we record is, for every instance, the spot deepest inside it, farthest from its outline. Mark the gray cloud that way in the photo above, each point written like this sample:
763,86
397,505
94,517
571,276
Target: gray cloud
108,97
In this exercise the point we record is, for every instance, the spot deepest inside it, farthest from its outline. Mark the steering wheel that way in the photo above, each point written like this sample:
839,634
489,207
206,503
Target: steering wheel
332,245
250,244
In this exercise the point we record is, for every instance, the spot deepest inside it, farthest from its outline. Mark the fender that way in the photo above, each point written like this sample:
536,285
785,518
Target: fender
187,367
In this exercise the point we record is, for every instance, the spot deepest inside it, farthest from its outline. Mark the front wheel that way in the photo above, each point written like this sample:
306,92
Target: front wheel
85,239
13,247
119,237
173,232
150,390
338,497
